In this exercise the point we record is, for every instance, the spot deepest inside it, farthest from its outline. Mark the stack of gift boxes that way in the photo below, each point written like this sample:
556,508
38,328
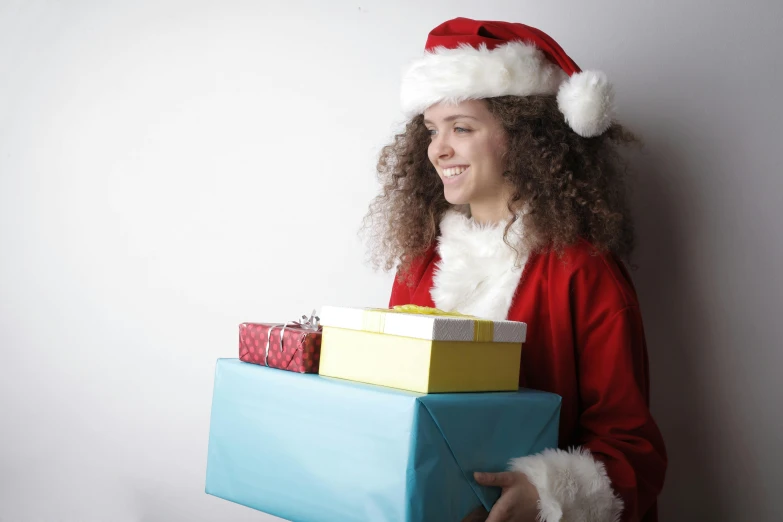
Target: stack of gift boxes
373,414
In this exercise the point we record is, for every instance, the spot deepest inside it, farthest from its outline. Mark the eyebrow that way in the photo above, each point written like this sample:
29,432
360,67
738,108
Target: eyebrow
454,117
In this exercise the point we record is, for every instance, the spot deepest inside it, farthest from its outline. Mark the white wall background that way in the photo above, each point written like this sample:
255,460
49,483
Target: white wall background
171,169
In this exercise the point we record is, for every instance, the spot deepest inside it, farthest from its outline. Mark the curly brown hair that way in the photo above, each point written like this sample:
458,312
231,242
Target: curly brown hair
569,186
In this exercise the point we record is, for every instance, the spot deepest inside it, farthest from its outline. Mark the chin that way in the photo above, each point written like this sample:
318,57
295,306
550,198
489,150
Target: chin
455,199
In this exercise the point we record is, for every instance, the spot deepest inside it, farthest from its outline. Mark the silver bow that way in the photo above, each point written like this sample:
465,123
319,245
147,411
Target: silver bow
311,323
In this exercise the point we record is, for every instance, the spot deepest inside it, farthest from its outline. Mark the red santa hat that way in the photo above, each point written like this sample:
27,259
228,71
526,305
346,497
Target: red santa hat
470,59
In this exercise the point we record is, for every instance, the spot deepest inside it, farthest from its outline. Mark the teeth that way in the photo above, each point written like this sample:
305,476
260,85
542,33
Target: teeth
456,171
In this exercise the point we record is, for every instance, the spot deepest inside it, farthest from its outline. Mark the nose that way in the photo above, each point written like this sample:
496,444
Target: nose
440,148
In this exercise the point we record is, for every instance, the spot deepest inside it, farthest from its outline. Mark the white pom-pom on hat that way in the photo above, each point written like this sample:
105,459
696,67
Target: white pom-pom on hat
586,100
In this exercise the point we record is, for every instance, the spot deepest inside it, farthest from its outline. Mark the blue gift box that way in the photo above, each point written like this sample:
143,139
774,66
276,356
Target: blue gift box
309,448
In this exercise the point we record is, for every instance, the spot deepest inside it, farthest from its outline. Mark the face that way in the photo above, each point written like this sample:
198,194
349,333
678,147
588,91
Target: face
466,147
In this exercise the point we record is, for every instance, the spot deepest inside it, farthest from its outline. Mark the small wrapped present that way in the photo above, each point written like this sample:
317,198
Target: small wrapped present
315,449
421,349
293,346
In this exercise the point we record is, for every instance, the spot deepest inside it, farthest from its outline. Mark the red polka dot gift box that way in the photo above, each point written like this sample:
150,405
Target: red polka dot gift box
294,346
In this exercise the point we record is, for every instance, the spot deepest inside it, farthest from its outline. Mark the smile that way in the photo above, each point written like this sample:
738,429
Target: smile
454,171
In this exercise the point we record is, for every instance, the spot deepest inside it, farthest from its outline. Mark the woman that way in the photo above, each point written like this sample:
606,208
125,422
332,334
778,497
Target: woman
503,199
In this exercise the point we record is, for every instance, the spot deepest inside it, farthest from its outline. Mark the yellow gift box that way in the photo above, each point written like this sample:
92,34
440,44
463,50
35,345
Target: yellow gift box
421,349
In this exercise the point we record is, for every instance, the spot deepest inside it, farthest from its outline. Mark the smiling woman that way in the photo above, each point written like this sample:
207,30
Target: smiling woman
504,198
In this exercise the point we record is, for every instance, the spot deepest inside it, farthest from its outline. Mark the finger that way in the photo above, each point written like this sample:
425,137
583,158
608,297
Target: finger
500,512
503,479
477,515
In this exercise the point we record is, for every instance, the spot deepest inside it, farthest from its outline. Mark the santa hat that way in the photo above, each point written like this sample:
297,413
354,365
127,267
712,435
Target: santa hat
469,59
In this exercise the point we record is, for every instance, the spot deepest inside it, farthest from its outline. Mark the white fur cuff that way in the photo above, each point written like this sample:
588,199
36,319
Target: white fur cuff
573,486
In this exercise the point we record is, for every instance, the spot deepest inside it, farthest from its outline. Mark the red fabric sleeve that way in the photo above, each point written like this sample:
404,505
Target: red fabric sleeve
401,292
615,423
406,284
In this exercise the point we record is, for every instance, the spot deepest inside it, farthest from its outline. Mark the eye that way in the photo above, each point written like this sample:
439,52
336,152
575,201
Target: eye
461,130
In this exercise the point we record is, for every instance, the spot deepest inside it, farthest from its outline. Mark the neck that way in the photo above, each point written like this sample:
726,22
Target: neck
489,214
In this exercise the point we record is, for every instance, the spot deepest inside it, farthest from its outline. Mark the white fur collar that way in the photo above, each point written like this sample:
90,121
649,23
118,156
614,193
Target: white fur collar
477,273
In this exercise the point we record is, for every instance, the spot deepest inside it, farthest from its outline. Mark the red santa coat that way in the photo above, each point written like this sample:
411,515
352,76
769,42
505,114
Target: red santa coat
585,342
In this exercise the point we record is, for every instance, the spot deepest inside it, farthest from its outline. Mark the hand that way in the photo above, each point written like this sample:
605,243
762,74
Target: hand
477,515
518,500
